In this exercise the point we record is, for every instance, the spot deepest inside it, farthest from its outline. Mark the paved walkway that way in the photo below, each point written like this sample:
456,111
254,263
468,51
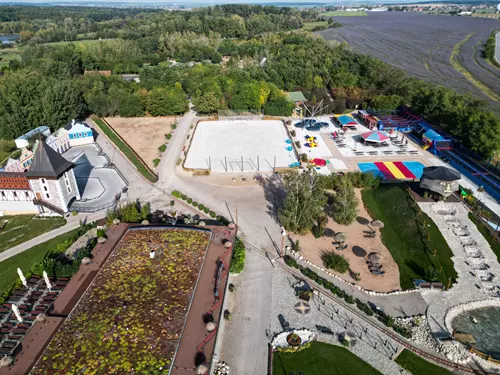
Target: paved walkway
497,48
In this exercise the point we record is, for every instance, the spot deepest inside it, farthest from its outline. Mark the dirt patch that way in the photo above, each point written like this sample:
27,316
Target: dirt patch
143,134
359,246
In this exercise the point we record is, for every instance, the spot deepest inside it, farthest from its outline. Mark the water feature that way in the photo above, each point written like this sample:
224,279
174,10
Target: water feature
8,39
486,331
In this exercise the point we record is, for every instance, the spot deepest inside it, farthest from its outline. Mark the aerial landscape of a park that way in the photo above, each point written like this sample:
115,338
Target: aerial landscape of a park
290,188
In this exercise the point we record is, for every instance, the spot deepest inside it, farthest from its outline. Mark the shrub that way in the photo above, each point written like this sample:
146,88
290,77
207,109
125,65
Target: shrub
201,207
179,161
231,287
238,258
212,214
173,127
293,133
206,210
296,245
176,193
303,158
297,143
189,200
345,343
74,213
156,162
183,197
129,213
227,315
162,148
172,203
168,136
349,299
195,204
335,262
101,233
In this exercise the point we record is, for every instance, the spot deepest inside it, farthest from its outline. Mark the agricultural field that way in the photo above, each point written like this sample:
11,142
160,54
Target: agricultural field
7,57
422,45
132,317
311,25
339,13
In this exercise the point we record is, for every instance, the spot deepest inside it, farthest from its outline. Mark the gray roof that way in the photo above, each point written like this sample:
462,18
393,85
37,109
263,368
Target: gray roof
48,163
441,173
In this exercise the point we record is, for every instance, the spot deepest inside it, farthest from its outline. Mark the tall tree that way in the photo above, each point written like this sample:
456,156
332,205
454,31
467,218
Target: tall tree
345,203
304,202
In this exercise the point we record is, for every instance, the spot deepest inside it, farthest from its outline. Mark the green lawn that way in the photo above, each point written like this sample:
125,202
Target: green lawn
495,246
7,147
24,260
419,366
311,25
321,359
83,44
7,57
338,13
129,153
22,228
415,242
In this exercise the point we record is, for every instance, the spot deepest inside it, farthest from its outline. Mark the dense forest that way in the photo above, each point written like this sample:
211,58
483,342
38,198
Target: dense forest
244,62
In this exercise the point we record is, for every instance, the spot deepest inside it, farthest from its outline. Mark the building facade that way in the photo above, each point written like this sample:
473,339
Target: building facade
16,196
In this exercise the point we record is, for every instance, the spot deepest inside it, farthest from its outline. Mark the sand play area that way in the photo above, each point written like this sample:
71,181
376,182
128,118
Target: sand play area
143,134
240,146
359,246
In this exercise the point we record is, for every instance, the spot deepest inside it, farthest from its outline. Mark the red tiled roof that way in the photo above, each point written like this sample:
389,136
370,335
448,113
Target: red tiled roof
14,181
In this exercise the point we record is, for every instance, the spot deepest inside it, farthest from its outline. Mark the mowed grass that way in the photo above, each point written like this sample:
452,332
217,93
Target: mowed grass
495,246
83,44
321,359
311,25
26,259
338,13
127,151
419,366
21,228
414,241
7,57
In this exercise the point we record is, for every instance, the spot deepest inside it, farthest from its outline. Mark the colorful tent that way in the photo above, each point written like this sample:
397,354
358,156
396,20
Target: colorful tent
375,136
346,120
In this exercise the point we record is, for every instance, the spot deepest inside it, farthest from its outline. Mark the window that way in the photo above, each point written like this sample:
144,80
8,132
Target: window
3,195
43,180
27,194
47,195
69,189
45,188
15,195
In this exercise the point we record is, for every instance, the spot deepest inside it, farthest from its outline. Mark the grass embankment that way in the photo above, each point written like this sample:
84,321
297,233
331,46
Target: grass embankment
22,228
321,359
495,246
490,49
461,69
419,366
127,151
26,259
7,147
7,57
337,13
414,241
309,26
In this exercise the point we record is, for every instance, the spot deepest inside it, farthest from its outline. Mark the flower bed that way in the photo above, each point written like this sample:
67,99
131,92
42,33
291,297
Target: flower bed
131,318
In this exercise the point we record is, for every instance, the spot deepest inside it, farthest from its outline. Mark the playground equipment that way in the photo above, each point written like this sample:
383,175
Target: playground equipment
289,148
311,141
318,162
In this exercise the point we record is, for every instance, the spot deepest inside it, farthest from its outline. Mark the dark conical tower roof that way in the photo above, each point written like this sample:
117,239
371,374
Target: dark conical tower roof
47,162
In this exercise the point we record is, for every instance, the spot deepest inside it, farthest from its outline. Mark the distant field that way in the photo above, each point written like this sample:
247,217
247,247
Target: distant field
344,14
414,43
311,25
82,44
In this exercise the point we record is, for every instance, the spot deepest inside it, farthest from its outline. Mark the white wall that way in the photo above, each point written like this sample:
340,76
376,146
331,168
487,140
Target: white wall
81,141
18,207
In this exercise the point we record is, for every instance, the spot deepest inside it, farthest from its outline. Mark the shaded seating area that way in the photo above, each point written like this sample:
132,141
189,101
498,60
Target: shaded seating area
374,264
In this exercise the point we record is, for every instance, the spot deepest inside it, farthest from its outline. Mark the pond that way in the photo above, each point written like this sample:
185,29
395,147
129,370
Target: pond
486,331
8,39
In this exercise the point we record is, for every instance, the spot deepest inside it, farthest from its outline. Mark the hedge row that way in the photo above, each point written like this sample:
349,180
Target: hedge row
238,258
200,207
381,316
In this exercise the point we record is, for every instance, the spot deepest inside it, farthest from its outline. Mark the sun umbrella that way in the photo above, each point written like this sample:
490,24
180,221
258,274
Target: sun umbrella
375,136
302,307
346,120
21,276
47,281
377,224
340,236
319,162
15,309
374,258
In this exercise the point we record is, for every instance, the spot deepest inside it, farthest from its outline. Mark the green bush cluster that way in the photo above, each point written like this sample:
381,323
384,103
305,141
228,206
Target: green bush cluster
162,148
132,212
156,162
357,179
199,206
381,316
238,258
335,262
294,349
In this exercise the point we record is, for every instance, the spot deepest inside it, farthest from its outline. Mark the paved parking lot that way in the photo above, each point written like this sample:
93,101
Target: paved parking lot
98,184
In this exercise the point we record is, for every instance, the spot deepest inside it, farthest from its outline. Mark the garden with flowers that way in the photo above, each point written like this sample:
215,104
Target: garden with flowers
131,318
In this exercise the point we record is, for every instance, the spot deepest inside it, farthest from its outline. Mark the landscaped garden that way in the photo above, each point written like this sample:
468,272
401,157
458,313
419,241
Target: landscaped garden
419,366
26,260
320,359
132,317
21,228
414,241
481,227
